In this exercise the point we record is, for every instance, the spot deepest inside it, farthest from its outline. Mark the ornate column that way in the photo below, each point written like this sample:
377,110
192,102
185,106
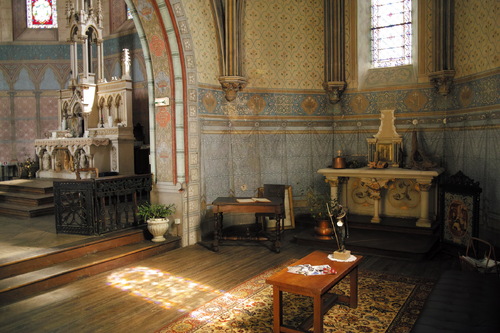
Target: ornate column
424,185
334,83
85,56
100,61
375,186
334,187
230,19
74,63
442,52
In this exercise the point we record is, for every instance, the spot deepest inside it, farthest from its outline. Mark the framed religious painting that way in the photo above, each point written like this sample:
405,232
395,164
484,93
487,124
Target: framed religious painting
460,197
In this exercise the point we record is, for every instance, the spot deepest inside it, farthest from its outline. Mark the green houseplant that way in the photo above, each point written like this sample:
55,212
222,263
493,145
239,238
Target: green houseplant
151,211
156,216
320,207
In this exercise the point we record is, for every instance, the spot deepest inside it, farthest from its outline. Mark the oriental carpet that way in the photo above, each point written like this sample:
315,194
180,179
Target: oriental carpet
386,303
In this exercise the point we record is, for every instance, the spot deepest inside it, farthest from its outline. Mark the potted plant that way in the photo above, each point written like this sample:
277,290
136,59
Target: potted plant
322,208
156,216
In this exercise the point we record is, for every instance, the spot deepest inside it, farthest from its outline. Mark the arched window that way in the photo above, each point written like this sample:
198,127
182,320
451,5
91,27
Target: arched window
41,14
387,48
391,33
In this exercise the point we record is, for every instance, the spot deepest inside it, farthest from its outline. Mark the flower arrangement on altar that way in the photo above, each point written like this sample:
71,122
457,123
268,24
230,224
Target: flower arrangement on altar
27,168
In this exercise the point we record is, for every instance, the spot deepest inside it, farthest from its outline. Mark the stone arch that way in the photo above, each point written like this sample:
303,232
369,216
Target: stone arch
109,105
147,17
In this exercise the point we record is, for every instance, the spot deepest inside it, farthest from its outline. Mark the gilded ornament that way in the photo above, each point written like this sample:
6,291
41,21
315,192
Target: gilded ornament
256,104
309,105
209,102
359,104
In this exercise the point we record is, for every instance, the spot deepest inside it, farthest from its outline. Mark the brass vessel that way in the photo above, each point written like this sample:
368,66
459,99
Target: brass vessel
339,161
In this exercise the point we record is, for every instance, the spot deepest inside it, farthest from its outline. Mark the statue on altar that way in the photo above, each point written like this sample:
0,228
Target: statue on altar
83,160
46,163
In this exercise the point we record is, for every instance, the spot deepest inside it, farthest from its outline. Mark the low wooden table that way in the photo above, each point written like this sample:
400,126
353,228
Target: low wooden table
315,286
231,205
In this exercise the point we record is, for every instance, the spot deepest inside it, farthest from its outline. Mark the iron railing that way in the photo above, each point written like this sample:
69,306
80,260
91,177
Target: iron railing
97,206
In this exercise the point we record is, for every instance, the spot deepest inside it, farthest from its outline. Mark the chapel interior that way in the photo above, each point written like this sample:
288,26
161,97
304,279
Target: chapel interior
185,102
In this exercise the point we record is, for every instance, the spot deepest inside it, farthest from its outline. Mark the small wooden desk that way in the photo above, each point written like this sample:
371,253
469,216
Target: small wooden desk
315,286
231,205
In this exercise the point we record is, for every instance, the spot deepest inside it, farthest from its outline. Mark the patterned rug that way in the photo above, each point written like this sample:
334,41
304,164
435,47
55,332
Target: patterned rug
386,303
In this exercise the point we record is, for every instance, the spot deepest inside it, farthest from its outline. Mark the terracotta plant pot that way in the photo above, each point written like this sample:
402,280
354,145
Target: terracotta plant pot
323,229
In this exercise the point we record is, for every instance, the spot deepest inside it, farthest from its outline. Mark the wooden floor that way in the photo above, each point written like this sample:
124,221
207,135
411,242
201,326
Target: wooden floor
92,305
21,236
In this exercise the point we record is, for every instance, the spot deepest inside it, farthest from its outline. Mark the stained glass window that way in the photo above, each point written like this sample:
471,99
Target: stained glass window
391,30
129,14
41,13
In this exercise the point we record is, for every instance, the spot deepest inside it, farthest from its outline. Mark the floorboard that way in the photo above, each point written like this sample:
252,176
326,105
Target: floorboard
91,305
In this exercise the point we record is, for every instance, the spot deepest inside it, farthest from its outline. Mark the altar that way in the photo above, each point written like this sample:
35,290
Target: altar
95,125
392,192
383,188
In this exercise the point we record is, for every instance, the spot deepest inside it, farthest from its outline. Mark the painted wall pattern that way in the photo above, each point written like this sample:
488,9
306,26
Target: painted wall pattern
306,130
202,32
277,132
283,44
161,63
477,41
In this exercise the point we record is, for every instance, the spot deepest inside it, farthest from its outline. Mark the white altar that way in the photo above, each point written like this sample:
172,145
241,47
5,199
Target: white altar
394,192
95,131
383,188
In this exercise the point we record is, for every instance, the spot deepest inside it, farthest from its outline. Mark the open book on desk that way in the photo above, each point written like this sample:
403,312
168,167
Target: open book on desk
252,200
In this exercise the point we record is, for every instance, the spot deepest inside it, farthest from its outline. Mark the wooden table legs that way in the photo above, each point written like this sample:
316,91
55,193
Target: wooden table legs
218,234
322,303
277,309
352,299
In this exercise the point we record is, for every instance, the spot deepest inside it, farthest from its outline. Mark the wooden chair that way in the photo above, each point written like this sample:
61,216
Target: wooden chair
271,191
480,257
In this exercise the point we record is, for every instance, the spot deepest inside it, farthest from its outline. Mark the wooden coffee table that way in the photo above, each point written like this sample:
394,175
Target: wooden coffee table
315,286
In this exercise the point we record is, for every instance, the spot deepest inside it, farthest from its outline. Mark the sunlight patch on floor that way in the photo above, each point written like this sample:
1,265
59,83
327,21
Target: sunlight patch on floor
161,288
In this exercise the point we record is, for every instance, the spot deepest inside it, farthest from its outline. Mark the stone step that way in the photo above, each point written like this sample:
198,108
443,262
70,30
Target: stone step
25,211
414,247
26,197
63,266
29,199
392,224
40,186
49,256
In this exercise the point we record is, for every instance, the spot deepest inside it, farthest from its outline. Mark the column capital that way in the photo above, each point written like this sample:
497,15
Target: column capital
232,85
334,90
442,81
